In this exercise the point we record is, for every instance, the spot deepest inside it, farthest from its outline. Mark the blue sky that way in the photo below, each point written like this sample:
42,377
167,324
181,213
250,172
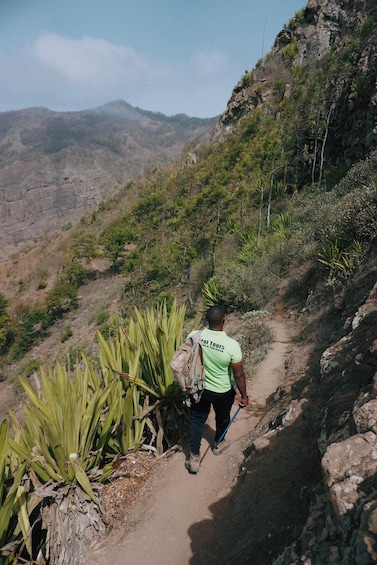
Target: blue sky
169,56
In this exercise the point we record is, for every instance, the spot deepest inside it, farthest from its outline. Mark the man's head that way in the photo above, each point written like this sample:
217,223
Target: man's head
215,317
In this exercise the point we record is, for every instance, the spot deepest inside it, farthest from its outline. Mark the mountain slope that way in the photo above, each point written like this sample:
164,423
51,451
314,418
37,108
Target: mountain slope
277,207
321,75
55,167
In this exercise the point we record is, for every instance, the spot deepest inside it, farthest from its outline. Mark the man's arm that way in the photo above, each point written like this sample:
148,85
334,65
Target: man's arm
240,380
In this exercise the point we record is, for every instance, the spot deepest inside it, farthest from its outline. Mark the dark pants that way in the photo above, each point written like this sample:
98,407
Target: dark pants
222,403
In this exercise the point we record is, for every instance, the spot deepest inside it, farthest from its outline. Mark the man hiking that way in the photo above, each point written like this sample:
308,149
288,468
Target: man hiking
222,360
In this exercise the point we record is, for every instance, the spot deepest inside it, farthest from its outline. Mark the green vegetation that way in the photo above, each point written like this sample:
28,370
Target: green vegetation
368,27
101,317
297,20
277,193
247,78
29,326
126,398
235,219
290,50
114,240
15,504
78,422
66,334
4,323
257,336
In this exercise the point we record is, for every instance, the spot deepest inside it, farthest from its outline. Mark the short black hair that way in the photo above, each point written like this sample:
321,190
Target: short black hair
215,314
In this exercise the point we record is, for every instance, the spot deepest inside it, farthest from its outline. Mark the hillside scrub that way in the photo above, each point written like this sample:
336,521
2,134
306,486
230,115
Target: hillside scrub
233,209
245,241
285,200
129,364
77,425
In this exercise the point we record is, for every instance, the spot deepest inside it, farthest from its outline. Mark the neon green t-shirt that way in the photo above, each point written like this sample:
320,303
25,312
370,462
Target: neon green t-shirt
219,350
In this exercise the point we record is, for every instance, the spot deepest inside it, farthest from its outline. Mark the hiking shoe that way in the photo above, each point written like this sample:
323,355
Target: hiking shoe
219,449
192,465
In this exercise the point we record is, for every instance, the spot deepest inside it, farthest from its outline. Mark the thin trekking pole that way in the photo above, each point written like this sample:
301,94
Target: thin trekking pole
227,428
223,434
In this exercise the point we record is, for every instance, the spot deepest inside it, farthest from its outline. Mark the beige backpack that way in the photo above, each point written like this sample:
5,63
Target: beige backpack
187,365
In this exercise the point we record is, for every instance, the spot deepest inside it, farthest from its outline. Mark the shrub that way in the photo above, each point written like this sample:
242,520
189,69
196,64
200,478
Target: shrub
347,214
101,317
42,274
66,334
28,328
247,79
62,298
257,335
290,51
75,274
4,323
367,28
67,226
245,287
114,239
298,18
21,286
280,87
30,367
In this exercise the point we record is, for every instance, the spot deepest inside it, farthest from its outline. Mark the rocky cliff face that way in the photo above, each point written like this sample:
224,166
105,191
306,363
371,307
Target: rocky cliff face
342,33
340,410
307,488
55,167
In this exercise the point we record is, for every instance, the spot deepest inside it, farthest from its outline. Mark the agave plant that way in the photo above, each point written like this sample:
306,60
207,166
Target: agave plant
120,366
62,444
160,334
338,260
140,353
16,503
211,294
65,429
282,226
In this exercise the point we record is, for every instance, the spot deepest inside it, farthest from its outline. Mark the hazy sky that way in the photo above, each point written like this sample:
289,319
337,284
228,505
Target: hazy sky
169,56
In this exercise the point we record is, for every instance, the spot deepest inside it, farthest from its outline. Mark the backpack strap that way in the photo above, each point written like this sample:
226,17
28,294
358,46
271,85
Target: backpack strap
200,383
196,337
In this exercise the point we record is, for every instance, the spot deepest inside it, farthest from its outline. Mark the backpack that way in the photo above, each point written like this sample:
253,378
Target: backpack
187,365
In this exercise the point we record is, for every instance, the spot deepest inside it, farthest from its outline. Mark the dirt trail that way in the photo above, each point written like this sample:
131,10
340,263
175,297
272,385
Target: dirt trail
160,528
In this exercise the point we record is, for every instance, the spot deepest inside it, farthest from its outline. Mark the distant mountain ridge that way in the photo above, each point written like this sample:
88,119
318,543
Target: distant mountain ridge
55,166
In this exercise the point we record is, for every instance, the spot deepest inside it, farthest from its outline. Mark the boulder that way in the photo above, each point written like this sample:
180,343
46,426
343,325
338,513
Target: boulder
365,417
346,465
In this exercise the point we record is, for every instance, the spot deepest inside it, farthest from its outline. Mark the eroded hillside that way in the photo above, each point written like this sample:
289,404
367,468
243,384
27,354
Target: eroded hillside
57,166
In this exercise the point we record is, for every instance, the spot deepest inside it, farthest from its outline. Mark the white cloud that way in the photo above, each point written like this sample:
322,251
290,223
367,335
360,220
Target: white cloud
209,62
62,73
93,62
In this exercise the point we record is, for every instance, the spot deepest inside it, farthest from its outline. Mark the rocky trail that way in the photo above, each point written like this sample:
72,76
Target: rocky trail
174,520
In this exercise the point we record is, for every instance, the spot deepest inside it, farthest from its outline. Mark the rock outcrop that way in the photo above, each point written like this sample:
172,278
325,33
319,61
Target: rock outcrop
345,32
341,417
307,489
